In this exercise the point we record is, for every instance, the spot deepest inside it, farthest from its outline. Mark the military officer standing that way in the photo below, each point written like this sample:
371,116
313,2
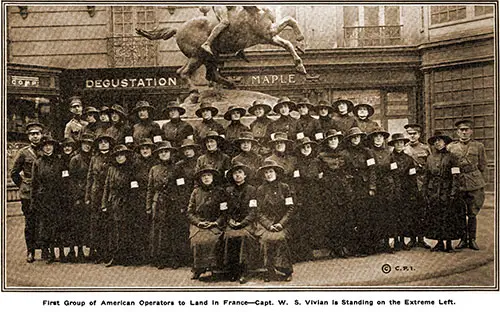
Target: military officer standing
419,152
75,126
21,176
472,164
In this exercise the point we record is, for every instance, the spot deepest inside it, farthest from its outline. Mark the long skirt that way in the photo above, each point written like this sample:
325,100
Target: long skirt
241,250
446,220
205,246
276,251
169,238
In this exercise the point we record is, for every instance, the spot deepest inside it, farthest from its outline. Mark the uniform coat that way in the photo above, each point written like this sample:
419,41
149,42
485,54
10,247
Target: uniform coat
345,122
145,129
74,128
78,169
367,125
273,207
286,124
217,160
204,205
310,126
177,130
445,218
204,127
287,161
169,236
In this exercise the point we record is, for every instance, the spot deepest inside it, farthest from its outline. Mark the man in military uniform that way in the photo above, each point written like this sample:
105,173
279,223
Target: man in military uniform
75,126
471,158
419,152
21,175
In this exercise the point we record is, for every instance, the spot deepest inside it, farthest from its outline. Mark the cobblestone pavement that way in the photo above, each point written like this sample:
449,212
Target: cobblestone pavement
414,268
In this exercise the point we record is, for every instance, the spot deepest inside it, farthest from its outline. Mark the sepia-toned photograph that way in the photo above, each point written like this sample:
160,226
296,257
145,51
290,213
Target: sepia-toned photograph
194,146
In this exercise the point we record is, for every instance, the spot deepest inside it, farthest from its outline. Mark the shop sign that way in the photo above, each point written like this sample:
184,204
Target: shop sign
273,79
125,83
24,81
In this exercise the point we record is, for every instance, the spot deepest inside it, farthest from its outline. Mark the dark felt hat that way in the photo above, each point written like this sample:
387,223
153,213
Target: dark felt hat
398,137
90,110
282,101
231,109
333,133
163,145
259,103
323,104
206,169
350,105
353,132
245,136
118,109
280,137
236,166
188,143
101,137
68,141
142,105
379,130
212,134
370,109
47,139
145,142
87,137
120,149
304,141
439,135
305,102
174,105
206,106
270,164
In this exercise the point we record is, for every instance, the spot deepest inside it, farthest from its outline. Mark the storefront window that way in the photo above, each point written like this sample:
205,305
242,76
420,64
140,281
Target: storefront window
126,48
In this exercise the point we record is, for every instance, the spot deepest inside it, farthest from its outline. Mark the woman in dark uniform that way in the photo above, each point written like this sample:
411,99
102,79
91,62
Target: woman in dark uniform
144,126
274,212
444,216
205,211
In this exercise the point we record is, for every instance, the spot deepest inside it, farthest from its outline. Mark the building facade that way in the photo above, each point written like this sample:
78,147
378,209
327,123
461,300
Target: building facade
429,64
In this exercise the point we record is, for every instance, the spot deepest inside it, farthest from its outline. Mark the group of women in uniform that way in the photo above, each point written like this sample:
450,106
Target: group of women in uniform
239,199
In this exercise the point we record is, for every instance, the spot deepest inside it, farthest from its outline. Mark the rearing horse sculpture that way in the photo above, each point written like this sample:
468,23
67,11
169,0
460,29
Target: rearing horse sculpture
249,26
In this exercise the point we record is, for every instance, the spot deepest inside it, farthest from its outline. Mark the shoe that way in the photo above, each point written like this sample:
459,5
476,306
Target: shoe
397,245
62,258
423,244
30,257
344,253
160,267
51,258
267,279
196,275
405,246
439,247
288,277
110,263
175,265
80,258
71,256
462,244
243,280
412,243
207,48
45,254
473,245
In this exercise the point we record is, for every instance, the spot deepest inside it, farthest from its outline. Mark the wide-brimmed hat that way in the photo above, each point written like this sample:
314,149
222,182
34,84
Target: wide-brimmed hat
48,139
68,141
439,135
333,133
163,145
270,164
398,137
280,137
379,130
305,141
414,126
104,109
323,104
110,139
189,143
350,105
236,166
206,106
174,105
205,169
118,109
212,134
142,105
353,132
145,142
282,101
231,109
34,126
87,137
305,102
120,149
259,103
370,109
466,122
90,110
245,136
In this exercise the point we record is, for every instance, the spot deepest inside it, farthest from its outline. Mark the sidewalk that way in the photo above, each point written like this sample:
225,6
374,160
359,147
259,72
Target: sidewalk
416,267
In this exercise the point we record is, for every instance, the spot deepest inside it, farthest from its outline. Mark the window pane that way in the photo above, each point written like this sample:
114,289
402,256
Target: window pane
371,15
391,15
351,16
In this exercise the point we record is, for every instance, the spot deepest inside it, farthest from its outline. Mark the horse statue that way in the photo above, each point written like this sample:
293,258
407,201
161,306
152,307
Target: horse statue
248,26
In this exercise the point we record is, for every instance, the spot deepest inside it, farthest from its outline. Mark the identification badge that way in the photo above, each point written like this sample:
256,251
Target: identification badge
300,135
157,138
223,206
129,139
180,181
65,174
296,174
412,171
223,136
394,166
370,162
253,203
455,170
320,175
319,136
288,201
134,184
190,137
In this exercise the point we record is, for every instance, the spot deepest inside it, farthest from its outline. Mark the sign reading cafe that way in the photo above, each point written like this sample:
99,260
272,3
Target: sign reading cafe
124,83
